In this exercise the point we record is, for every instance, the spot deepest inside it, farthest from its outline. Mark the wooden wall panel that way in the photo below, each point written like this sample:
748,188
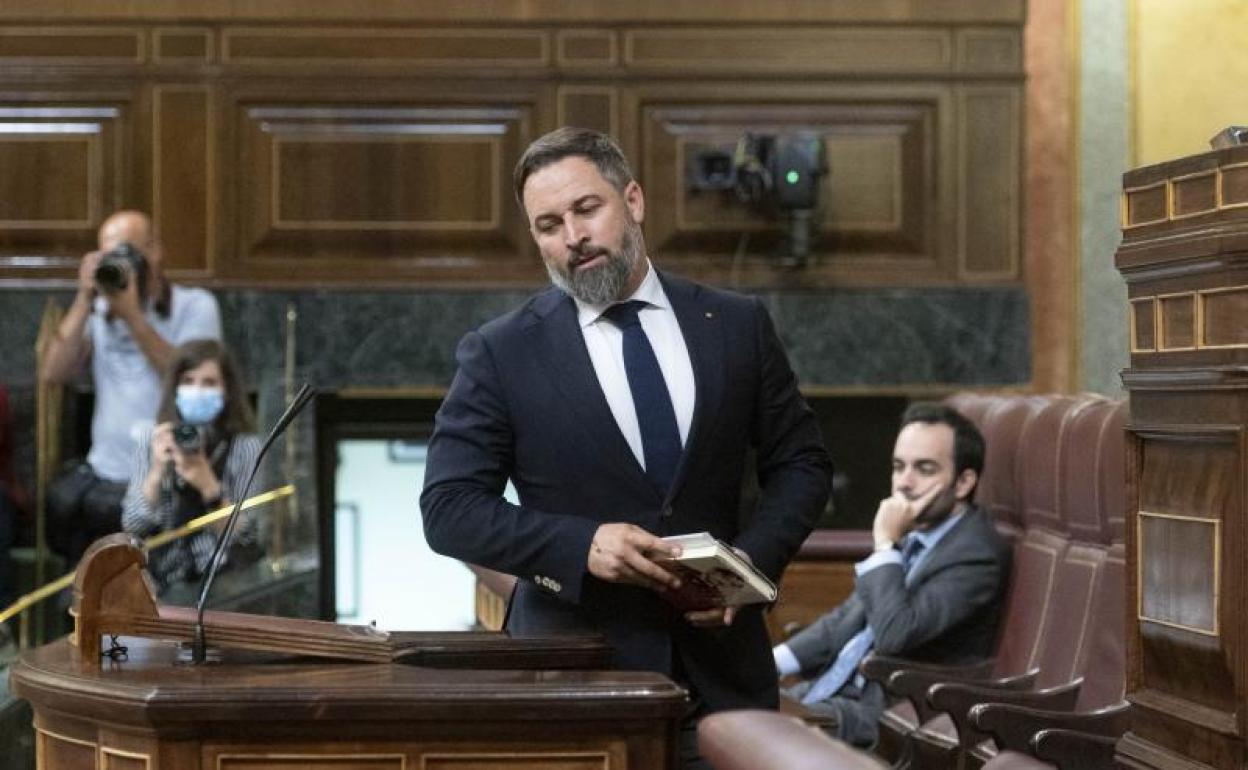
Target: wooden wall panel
387,47
578,48
72,45
986,50
989,214
1188,487
373,189
373,147
183,45
594,107
183,173
790,50
61,171
887,163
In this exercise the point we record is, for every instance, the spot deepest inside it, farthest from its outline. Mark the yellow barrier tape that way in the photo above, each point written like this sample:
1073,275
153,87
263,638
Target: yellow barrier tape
155,541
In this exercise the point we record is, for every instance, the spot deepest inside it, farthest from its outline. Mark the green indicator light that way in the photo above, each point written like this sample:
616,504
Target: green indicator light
792,176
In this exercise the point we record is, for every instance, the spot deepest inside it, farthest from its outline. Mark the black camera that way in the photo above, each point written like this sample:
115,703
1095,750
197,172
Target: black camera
711,169
117,267
782,170
188,438
781,174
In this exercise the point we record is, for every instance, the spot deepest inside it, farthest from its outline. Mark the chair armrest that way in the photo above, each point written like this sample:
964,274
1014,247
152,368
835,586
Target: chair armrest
1073,750
913,684
1015,727
880,667
956,700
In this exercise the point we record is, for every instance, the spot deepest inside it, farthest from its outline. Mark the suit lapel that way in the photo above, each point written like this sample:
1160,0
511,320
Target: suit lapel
948,548
561,347
698,316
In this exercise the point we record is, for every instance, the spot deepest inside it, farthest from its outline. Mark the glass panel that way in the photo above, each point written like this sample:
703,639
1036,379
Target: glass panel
386,573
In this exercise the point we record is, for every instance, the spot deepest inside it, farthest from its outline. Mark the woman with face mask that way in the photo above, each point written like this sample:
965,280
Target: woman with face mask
194,461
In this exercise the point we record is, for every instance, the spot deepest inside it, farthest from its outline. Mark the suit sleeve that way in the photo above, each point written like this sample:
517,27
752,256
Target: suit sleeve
470,458
817,645
794,470
905,619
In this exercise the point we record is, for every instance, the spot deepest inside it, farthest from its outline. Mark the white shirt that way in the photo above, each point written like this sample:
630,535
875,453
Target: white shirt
605,342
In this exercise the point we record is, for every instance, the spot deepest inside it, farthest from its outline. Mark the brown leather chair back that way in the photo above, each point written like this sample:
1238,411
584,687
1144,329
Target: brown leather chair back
974,406
753,739
998,491
1085,442
1103,663
1040,549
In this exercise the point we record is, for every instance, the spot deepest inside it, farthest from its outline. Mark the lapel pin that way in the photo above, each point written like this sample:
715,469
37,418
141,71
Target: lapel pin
709,314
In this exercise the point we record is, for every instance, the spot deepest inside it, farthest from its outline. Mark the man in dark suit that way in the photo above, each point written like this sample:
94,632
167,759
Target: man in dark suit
931,591
623,404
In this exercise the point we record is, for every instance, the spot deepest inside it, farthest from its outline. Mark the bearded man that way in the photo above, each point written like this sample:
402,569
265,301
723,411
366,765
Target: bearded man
932,590
623,403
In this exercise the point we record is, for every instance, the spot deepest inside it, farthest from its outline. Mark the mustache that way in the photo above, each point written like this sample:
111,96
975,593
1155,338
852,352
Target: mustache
583,252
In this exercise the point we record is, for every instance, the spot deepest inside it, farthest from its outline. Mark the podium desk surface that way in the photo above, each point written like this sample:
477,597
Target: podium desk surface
151,689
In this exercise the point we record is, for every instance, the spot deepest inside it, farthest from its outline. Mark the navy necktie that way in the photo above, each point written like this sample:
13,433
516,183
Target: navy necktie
660,436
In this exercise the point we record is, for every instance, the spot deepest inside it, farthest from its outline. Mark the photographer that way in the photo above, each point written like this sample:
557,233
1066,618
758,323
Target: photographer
194,461
125,320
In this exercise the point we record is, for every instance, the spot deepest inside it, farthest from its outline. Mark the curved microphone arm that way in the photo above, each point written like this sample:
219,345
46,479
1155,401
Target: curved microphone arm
199,646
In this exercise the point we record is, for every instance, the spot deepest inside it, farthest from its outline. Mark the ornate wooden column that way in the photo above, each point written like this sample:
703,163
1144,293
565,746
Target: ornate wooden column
1184,255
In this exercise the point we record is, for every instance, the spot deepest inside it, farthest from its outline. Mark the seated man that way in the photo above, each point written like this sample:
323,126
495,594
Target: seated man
931,591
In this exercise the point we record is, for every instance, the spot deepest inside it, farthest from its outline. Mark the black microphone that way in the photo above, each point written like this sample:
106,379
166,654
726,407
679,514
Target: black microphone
198,646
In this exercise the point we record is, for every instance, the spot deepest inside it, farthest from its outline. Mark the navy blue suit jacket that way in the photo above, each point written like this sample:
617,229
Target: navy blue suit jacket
526,405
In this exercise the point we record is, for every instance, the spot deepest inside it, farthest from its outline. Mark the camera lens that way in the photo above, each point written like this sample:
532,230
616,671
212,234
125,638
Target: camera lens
111,274
187,437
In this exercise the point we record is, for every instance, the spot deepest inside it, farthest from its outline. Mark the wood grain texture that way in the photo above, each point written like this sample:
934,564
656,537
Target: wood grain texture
1186,465
372,144
254,711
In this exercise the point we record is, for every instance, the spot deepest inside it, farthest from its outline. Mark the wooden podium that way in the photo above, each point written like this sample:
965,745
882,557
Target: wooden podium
1184,255
477,701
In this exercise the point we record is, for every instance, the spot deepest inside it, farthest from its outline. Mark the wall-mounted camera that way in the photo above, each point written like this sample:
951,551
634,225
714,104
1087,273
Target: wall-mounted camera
781,174
1231,136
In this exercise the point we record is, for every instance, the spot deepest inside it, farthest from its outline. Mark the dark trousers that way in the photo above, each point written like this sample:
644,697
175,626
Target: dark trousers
81,508
855,712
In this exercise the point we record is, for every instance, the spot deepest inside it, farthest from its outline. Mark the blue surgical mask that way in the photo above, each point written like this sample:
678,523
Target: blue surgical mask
199,406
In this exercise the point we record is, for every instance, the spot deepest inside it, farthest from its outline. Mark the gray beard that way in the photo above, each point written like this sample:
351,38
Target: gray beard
604,284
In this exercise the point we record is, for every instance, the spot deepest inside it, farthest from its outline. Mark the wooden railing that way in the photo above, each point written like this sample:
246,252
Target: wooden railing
23,606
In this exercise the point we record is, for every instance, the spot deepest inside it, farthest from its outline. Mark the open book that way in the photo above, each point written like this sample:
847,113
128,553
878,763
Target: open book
713,575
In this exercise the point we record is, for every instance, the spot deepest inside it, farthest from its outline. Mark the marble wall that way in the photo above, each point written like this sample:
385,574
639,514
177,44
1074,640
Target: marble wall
896,338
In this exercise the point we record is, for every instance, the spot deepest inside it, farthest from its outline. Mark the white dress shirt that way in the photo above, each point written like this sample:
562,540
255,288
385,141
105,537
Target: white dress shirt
606,350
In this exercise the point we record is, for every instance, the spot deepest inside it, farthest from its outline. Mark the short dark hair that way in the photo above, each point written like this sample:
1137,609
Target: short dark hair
237,416
968,442
567,142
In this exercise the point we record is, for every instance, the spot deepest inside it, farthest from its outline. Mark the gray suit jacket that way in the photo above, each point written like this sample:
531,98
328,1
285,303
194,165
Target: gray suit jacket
947,614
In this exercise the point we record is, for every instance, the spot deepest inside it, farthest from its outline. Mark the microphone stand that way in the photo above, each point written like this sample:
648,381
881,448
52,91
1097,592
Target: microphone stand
199,648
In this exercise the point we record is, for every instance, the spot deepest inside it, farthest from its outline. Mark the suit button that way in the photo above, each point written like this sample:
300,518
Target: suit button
667,511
